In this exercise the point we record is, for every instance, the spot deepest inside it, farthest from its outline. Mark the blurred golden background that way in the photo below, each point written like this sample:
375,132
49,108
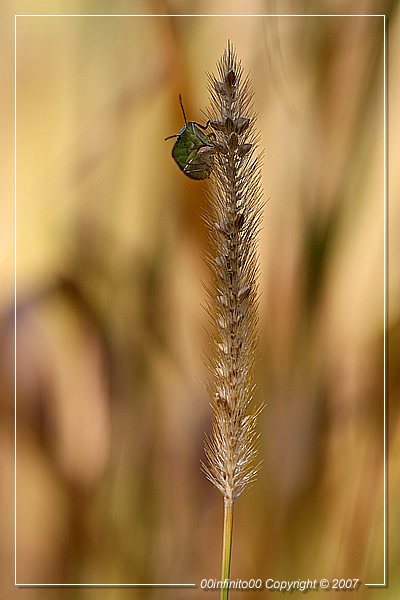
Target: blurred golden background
111,411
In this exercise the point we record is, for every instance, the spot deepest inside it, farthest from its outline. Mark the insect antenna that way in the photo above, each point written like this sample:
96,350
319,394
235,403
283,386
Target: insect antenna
184,116
183,110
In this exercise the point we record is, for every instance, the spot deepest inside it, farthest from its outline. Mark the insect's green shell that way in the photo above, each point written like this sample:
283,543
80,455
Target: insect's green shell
185,152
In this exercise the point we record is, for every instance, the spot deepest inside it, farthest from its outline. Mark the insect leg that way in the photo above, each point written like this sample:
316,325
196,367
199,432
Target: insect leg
204,127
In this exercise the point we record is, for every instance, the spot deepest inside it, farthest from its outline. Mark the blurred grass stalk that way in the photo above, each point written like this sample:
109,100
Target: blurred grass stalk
232,297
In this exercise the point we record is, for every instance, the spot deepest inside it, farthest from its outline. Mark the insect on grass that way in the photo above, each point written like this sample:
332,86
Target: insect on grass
193,150
233,220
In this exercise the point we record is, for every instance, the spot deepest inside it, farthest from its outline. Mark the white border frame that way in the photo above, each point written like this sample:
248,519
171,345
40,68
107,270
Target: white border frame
193,585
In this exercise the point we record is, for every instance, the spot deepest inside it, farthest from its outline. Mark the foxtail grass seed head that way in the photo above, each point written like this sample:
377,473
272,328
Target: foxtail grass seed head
233,224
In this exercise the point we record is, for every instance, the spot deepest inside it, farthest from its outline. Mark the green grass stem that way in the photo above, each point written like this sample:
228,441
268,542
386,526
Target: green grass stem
226,547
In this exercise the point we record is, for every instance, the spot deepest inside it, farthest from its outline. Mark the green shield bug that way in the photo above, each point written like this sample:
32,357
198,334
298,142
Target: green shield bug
192,150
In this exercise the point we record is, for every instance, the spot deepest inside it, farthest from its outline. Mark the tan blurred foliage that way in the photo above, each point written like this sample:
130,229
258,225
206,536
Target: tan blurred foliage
111,412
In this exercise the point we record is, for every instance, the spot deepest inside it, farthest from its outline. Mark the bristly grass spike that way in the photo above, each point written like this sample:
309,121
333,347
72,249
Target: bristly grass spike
193,150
